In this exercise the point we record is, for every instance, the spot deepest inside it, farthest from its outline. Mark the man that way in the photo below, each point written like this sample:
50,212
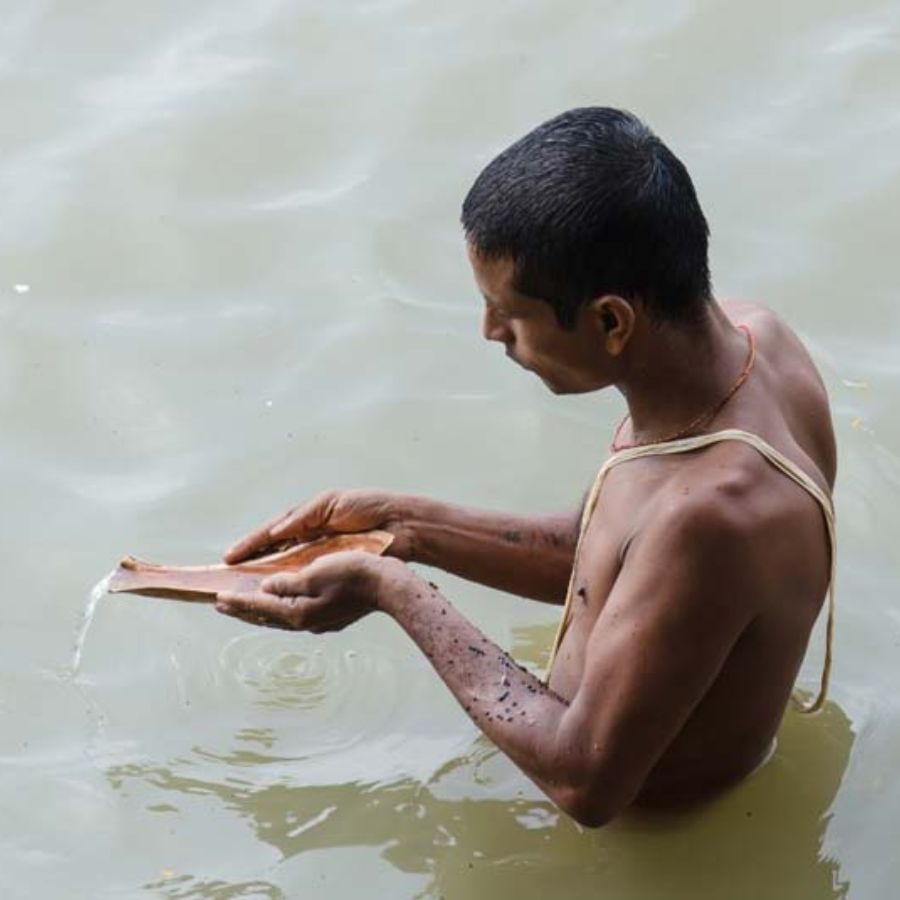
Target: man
699,573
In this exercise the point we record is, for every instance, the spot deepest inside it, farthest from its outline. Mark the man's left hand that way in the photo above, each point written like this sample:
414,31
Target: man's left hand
328,595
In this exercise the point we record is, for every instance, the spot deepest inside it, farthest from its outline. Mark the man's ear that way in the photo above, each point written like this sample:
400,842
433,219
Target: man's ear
614,318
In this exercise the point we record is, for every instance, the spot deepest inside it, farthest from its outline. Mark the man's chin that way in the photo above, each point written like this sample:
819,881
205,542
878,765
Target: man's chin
553,387
561,389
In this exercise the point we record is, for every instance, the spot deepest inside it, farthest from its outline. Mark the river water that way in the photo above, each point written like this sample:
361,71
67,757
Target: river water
231,275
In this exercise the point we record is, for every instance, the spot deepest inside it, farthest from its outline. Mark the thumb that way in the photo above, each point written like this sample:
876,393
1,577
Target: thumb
287,584
313,578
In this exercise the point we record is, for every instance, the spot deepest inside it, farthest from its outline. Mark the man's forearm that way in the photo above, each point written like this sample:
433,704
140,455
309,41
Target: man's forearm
516,710
529,556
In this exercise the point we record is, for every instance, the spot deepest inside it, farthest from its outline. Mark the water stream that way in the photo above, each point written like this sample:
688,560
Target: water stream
98,591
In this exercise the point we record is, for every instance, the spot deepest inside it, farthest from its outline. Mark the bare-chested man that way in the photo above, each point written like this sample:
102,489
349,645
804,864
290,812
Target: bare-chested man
699,574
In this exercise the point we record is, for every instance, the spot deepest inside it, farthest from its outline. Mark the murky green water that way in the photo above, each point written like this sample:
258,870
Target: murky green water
231,275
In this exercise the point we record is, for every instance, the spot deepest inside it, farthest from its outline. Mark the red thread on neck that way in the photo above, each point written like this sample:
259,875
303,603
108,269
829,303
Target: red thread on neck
705,417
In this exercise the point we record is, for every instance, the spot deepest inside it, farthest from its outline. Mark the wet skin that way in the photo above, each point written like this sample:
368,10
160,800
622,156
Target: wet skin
698,582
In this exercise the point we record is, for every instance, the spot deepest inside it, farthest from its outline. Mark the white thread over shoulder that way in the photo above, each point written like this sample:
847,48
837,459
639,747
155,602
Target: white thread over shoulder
686,445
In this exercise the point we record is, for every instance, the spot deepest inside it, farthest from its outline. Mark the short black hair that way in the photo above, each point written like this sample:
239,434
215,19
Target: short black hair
592,202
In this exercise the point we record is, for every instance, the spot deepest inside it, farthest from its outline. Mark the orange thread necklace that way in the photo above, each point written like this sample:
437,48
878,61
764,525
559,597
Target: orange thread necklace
705,417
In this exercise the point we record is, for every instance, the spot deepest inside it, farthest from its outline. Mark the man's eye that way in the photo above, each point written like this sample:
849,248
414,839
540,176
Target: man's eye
496,313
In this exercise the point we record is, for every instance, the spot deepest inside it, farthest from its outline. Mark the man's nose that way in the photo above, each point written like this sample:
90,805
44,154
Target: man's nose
491,329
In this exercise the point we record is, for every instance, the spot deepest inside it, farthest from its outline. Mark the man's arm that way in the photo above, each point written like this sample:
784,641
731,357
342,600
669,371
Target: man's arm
528,556
682,599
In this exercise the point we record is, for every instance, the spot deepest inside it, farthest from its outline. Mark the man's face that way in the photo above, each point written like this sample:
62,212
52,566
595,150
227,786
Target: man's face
566,361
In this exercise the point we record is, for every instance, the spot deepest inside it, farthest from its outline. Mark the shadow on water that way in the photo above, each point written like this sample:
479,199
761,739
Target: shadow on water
763,839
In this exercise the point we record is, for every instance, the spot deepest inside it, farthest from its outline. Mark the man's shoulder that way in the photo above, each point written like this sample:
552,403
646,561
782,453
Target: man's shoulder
701,539
726,504
718,495
723,495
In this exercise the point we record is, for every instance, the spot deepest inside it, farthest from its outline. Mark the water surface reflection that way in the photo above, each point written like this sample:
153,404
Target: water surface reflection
477,830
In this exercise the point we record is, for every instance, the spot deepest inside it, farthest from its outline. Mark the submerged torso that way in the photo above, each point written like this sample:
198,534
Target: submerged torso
731,729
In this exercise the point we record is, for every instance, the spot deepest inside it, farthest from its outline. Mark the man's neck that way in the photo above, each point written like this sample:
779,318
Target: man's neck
679,373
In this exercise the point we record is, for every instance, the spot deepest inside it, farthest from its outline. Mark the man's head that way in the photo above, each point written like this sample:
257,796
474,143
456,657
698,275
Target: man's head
592,214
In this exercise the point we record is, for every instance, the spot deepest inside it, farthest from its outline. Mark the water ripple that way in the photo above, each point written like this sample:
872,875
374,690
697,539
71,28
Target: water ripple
335,686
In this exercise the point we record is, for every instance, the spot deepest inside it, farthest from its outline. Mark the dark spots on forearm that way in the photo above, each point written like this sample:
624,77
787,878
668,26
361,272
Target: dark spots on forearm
582,592
512,537
561,537
498,690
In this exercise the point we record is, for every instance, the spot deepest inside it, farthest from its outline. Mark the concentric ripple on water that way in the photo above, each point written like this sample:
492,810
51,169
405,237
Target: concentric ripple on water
346,695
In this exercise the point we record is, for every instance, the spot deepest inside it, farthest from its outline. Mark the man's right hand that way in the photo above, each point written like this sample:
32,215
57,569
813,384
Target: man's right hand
330,513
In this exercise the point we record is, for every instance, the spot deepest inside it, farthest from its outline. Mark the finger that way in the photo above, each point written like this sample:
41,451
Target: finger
294,614
307,521
316,574
257,607
255,541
